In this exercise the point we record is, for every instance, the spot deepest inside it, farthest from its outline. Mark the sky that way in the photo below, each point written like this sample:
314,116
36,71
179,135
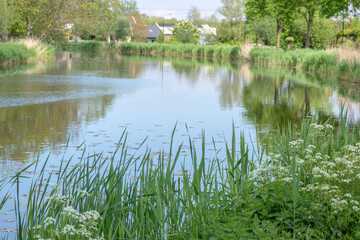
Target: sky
177,8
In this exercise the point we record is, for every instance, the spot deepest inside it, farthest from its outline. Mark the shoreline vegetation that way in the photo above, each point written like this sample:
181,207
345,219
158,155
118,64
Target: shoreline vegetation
24,51
184,50
335,61
299,184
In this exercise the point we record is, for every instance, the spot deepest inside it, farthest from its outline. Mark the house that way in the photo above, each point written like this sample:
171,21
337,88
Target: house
167,30
153,33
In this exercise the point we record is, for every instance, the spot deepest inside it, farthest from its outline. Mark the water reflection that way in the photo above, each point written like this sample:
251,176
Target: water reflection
27,129
41,105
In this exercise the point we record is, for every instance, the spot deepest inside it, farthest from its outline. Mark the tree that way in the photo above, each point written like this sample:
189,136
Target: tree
122,29
322,35
233,11
280,10
308,9
6,13
194,16
101,17
139,28
186,32
265,28
125,7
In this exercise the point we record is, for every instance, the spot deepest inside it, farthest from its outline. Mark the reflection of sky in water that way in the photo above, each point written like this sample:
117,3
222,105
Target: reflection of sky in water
95,97
47,88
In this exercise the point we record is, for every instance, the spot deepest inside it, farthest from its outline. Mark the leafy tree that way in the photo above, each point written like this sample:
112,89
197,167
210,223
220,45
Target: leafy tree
280,10
139,28
233,12
101,17
122,29
308,9
186,32
322,35
127,7
41,18
208,39
212,20
265,28
6,13
194,16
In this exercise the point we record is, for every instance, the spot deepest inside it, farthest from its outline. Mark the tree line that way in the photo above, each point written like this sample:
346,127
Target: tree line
52,19
306,23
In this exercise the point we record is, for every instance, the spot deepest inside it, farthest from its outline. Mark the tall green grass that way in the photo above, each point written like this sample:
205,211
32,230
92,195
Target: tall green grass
349,69
186,50
308,59
296,184
89,45
24,50
13,51
304,58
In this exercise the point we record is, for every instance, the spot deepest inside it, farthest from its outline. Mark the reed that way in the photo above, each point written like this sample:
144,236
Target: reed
89,45
42,50
15,52
294,184
185,50
341,63
24,50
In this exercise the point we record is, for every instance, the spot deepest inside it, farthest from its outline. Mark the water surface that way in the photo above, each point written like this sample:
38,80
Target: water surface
93,97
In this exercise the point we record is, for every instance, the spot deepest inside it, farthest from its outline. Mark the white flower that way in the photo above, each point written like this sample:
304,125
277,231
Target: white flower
356,208
49,220
36,226
69,229
348,195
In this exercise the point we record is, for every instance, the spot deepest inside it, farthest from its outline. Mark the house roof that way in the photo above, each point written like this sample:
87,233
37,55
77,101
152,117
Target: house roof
167,29
153,31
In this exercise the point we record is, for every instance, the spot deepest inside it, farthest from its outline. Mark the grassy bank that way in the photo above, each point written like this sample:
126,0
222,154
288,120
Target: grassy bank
185,50
24,51
310,60
301,185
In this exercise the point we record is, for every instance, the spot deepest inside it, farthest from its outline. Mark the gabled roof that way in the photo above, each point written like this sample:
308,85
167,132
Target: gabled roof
153,31
167,29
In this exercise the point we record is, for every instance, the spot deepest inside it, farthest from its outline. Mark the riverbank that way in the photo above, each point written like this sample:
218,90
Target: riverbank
330,62
24,51
299,185
310,60
184,50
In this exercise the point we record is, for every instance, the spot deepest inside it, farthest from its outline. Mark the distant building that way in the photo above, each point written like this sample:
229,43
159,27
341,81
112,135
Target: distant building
153,33
167,30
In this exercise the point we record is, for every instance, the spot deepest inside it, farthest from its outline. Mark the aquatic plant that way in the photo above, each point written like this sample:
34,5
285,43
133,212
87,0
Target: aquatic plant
24,50
186,50
295,184
311,60
17,52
